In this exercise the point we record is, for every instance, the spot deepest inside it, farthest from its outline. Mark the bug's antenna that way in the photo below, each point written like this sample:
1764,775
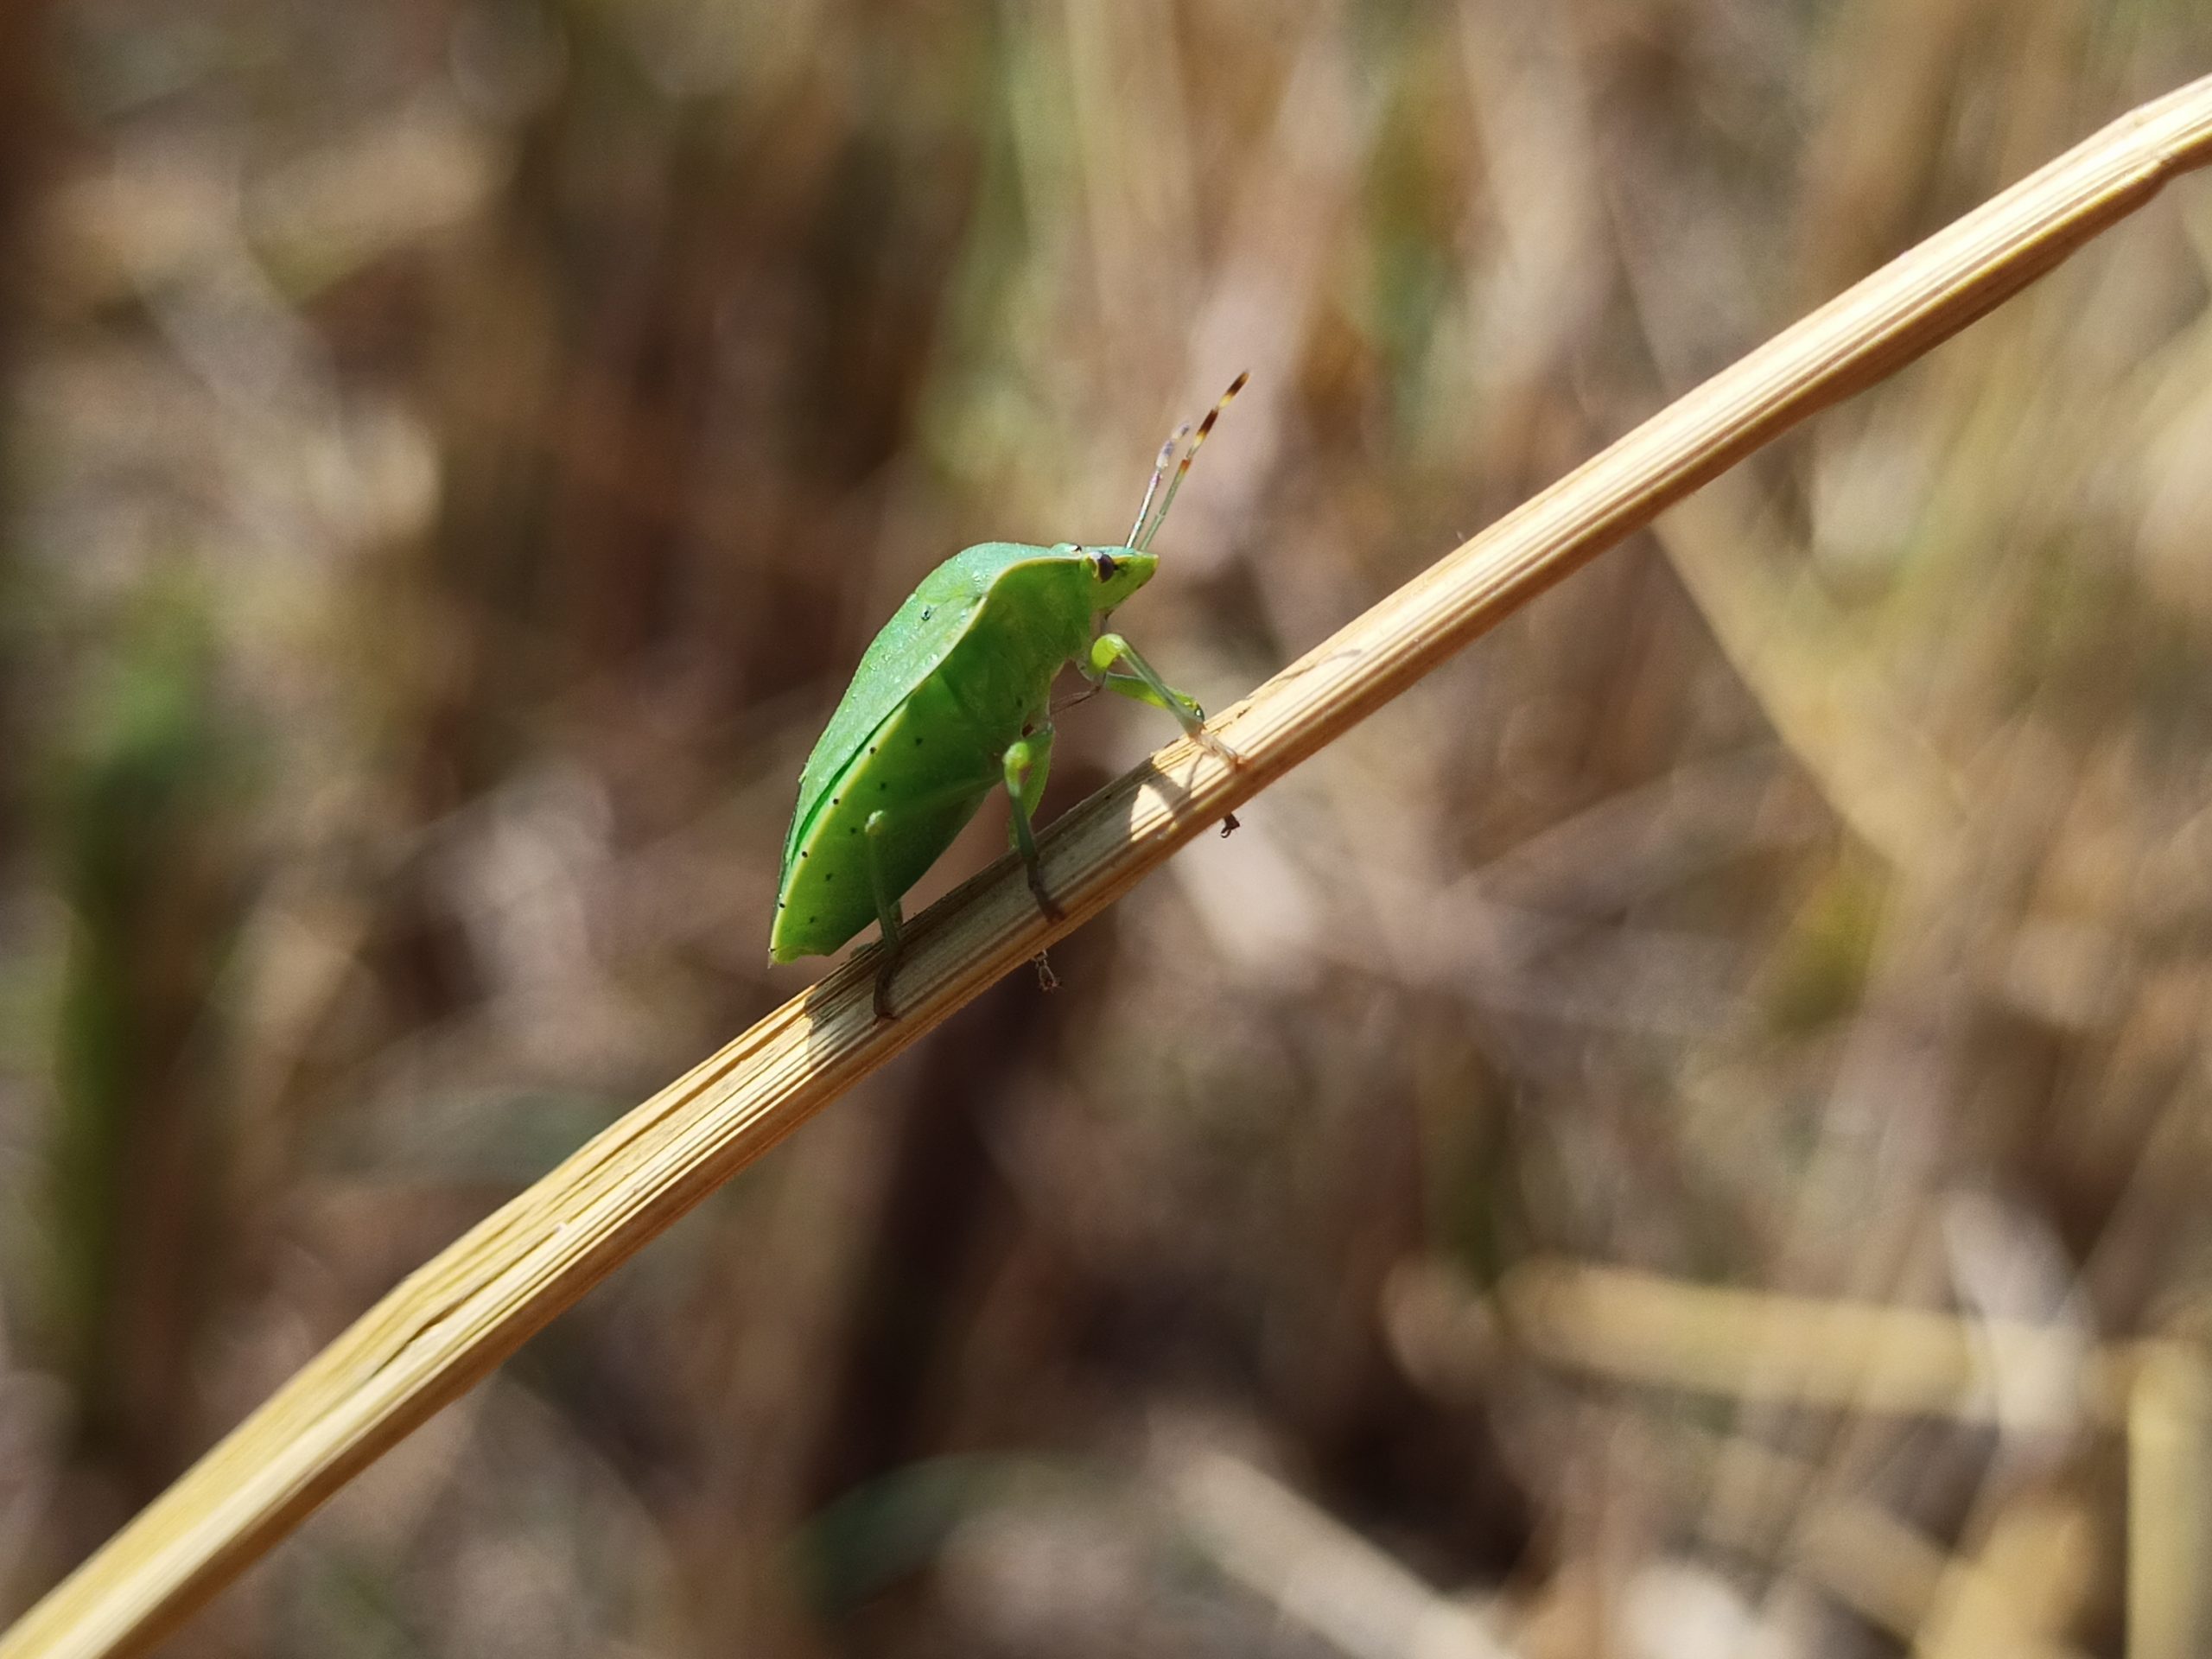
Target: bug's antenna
1159,472
1189,455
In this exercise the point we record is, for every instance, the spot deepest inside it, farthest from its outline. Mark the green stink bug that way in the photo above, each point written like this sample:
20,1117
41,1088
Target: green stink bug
952,701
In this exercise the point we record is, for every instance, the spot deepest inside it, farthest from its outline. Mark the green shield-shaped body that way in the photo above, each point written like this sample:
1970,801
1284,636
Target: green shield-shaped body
959,672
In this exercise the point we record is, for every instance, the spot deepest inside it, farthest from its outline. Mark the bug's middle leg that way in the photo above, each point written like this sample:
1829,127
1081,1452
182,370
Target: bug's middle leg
887,912
1027,761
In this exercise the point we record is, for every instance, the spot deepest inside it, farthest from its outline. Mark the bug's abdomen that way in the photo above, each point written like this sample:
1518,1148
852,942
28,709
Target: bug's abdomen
928,770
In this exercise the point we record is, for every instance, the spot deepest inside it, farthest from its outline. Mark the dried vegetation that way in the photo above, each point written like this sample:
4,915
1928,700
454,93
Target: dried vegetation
1688,1131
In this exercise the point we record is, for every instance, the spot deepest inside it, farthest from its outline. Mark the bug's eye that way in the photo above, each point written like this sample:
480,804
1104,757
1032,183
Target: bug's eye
1104,564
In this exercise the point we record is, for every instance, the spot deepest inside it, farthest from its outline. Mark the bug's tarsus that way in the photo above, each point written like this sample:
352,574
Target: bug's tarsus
1046,902
1182,470
1216,747
1230,826
1046,979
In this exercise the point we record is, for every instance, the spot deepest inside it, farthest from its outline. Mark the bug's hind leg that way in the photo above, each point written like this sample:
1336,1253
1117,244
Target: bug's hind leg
886,913
1027,759
1145,685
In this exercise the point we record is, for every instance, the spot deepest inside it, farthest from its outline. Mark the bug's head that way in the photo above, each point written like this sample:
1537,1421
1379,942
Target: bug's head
1113,573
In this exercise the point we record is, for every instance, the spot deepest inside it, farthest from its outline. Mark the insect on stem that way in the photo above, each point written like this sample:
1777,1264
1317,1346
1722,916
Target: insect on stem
1183,471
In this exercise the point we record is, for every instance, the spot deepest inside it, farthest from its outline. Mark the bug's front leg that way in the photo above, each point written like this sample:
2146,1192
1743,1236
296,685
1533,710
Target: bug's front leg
1143,683
887,912
1027,759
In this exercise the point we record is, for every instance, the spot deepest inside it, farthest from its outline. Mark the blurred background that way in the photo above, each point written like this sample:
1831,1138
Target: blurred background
1688,1135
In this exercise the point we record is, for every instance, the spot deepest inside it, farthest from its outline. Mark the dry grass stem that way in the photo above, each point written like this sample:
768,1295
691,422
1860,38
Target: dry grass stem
1770,1505
456,1317
2169,1519
1866,1357
1315,1570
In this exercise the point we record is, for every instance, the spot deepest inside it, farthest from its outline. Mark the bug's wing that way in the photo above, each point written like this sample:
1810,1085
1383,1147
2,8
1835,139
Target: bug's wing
919,636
